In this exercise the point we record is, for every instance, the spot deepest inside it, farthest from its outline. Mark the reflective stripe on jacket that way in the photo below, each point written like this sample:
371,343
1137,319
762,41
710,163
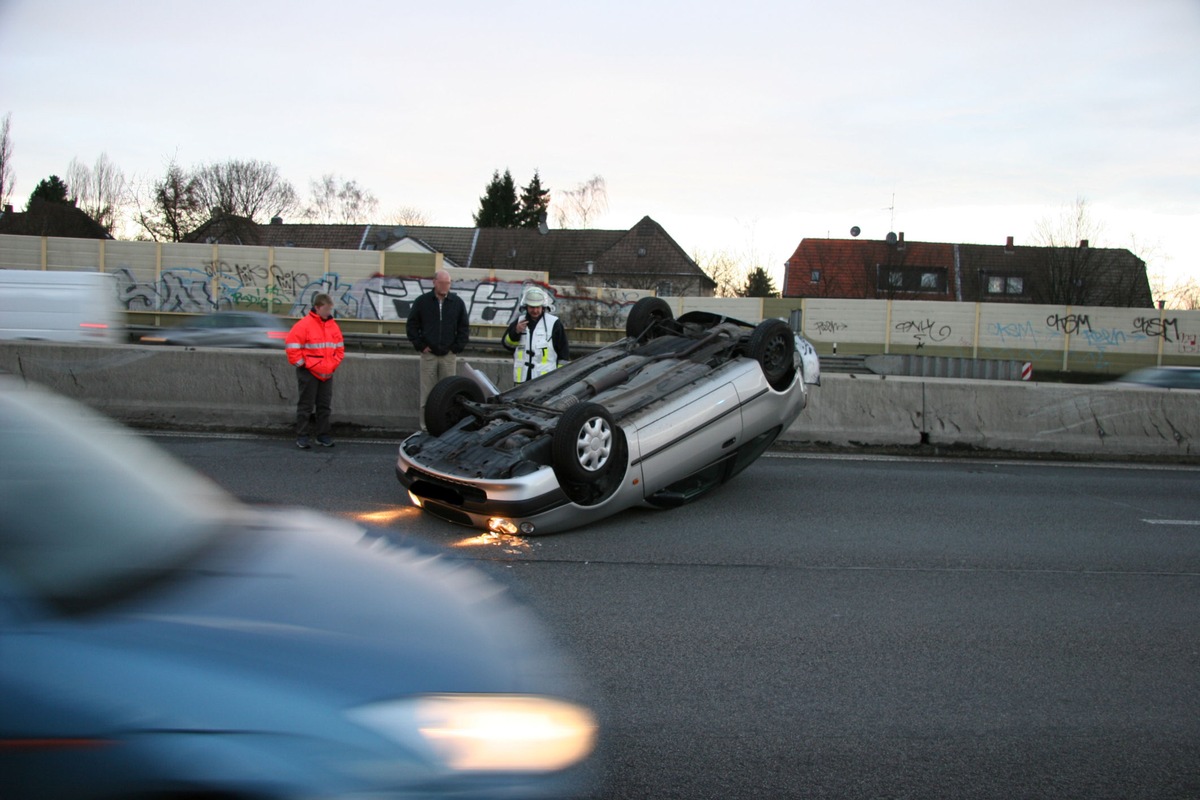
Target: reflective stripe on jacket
316,344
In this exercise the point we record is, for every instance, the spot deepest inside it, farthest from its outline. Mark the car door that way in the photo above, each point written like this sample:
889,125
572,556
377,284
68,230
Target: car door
689,434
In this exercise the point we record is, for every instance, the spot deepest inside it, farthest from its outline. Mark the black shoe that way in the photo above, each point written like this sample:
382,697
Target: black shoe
324,441
303,444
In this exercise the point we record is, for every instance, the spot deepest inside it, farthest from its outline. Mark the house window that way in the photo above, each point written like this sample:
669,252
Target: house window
917,280
815,276
665,289
1004,284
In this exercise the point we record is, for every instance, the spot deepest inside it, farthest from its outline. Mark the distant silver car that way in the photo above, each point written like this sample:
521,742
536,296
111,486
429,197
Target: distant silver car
226,329
1162,378
675,408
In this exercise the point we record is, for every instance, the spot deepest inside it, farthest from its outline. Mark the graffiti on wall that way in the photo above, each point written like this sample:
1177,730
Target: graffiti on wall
925,331
223,286
1094,343
829,326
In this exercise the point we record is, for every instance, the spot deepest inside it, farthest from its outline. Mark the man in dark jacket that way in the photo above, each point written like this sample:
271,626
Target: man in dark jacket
438,327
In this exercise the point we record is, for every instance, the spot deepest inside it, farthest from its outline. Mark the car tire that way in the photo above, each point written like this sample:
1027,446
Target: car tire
442,408
585,447
773,345
645,315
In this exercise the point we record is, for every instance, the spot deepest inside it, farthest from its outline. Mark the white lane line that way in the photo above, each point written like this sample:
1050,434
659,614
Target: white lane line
994,462
1172,521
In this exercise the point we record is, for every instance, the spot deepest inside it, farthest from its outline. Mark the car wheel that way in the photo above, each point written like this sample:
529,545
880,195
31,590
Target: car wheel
443,409
773,346
588,451
645,316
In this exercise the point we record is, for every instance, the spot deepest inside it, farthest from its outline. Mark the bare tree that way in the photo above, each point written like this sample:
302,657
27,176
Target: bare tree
725,269
1073,224
579,207
731,269
251,189
408,215
1183,294
1073,270
6,174
170,208
100,192
337,200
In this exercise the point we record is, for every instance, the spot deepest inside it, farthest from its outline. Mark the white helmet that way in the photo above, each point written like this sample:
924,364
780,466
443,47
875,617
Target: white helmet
535,297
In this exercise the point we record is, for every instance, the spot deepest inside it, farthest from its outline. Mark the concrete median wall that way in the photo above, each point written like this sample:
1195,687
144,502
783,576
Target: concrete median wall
210,389
1034,418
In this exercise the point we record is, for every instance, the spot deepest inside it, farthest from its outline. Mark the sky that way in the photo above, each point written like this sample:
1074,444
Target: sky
741,128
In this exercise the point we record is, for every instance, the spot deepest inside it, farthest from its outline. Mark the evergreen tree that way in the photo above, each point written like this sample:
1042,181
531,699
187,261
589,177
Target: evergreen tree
52,190
498,207
535,201
759,284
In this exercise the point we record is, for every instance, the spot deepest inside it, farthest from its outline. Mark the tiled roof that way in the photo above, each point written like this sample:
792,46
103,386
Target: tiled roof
645,249
850,268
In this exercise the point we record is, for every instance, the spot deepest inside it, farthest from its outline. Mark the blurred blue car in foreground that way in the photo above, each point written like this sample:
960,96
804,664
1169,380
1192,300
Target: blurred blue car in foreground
158,638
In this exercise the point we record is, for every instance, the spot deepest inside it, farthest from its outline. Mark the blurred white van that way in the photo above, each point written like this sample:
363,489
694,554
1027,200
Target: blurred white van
59,306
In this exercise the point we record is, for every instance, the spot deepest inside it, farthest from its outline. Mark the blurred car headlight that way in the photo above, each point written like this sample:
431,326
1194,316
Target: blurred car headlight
488,733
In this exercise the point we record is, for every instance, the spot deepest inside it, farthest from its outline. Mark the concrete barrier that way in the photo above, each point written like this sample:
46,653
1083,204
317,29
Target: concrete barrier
376,395
1035,418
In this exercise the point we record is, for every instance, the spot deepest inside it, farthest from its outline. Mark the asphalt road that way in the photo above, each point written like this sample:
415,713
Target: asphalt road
850,628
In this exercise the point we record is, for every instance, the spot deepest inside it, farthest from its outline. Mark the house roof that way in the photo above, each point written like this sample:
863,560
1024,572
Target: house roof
850,268
646,248
46,218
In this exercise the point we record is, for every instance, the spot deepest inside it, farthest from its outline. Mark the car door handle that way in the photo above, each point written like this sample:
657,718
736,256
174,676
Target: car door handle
728,443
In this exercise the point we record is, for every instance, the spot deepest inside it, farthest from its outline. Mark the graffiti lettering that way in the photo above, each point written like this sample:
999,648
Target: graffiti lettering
243,274
1105,337
268,297
925,331
1012,330
1155,328
829,327
289,281
1069,323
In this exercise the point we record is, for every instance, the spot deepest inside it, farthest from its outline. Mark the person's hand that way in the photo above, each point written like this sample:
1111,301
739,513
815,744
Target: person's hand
522,324
426,350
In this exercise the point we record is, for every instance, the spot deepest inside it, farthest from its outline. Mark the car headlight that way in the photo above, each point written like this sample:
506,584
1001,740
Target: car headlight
488,733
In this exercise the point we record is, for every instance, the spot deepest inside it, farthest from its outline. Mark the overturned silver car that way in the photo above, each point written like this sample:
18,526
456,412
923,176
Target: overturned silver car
675,408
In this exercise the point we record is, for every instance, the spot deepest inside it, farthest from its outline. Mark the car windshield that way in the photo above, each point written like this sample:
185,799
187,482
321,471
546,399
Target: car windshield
89,510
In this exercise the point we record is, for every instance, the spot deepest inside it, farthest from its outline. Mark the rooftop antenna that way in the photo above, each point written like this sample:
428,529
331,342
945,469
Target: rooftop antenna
892,209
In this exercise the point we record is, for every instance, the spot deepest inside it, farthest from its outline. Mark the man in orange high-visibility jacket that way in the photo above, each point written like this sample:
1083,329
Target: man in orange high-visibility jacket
315,348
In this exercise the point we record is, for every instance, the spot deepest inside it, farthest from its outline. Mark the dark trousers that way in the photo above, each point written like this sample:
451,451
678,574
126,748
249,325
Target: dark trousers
315,405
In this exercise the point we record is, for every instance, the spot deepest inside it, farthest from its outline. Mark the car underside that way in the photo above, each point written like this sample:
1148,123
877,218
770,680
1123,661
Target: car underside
675,407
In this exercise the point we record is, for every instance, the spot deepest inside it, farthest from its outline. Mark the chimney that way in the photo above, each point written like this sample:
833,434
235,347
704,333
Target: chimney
1008,245
276,220
1083,243
8,208
900,241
